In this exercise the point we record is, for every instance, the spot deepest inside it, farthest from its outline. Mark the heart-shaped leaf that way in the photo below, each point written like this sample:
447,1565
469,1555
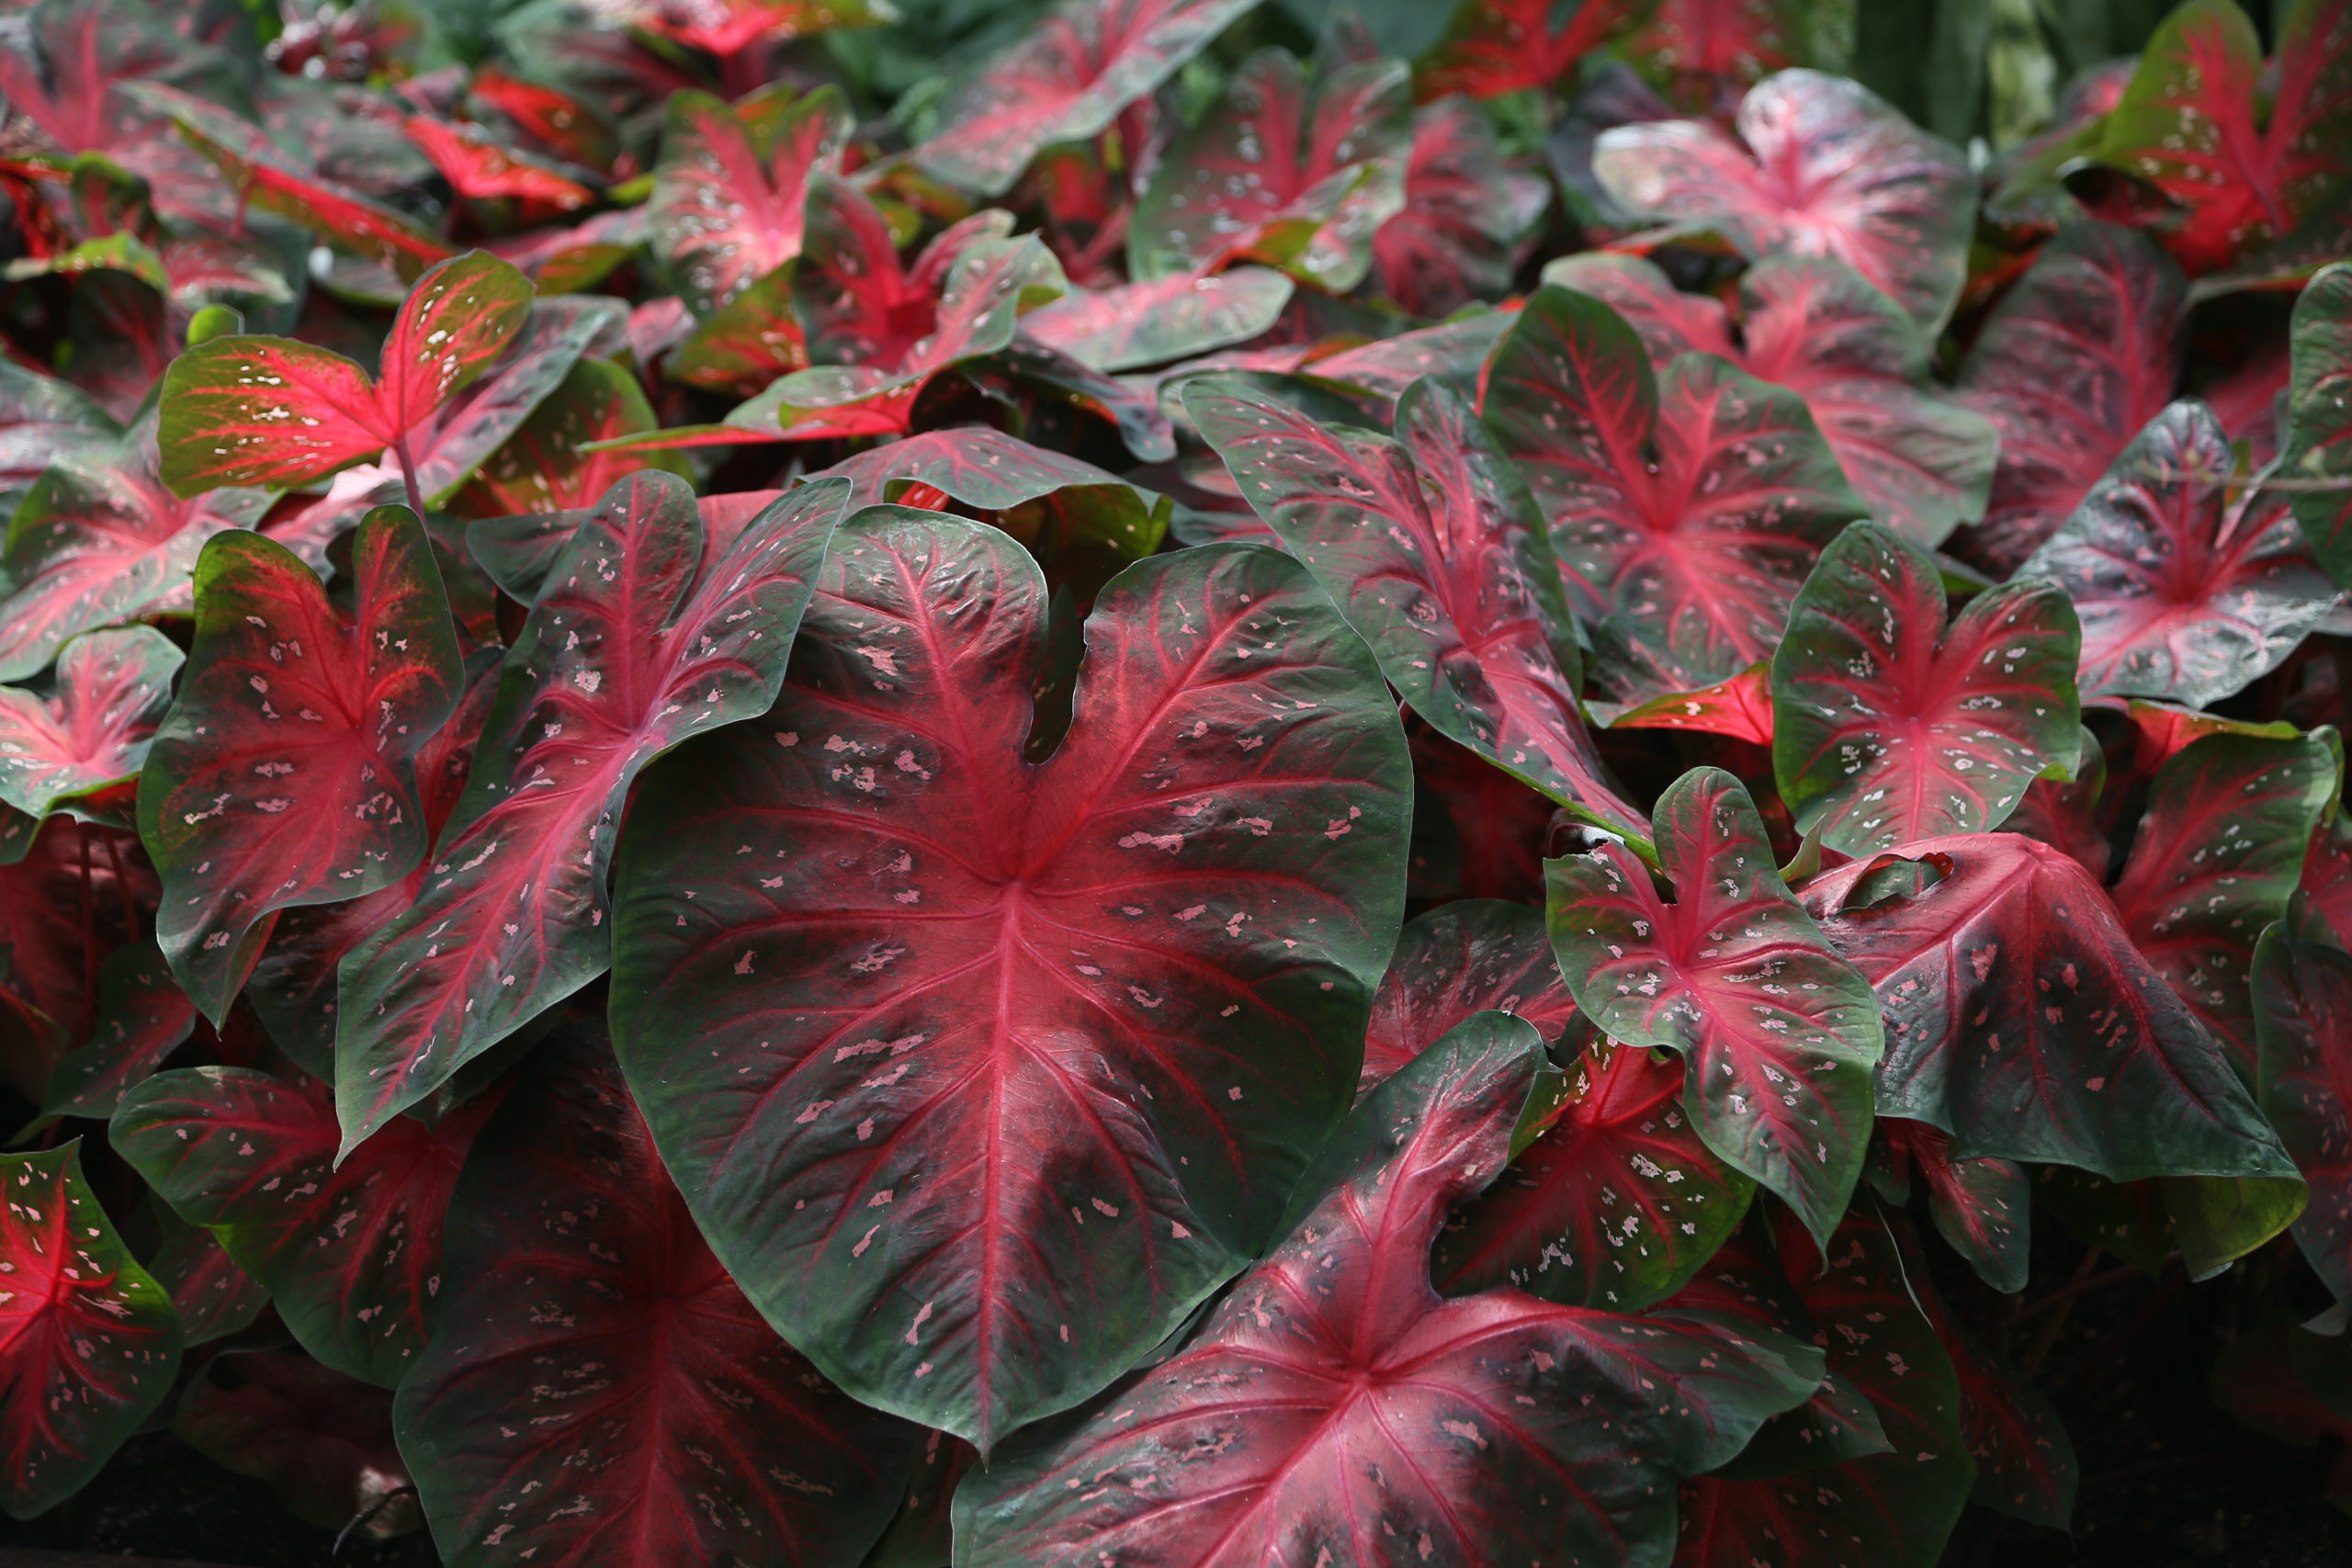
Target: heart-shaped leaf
728,193
91,1340
1982,1207
1777,1031
2245,153
97,540
1891,726
1175,317
2072,363
110,690
1495,47
1471,955
449,444
1615,1205
142,1018
1432,549
603,1393
213,1297
2186,591
1893,1509
1739,708
45,421
987,1049
2318,441
283,773
2216,857
2021,1021
1335,1398
541,468
1065,81
643,637
479,167
1685,508
1821,166
1467,215
1282,175
2302,1023
350,1253
272,411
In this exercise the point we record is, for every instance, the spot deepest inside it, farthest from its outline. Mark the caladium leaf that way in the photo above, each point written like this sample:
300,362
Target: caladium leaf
142,1018
321,1441
267,178
1980,1206
1821,166
110,691
2302,1023
1685,508
1477,832
1894,1508
2246,155
1282,175
2021,1021
451,442
1615,1205
1707,50
1065,81
278,411
45,421
542,467
1431,546
481,168
2319,439
733,27
2186,591
1334,1399
1151,323
1082,1019
2025,1462
1495,47
1454,351
730,191
283,774
603,1393
2216,857
978,466
1739,708
2072,363
1777,1030
2064,814
99,539
90,1339
350,1252
746,344
213,1297
1891,726
1467,214
643,637
1472,955
1922,462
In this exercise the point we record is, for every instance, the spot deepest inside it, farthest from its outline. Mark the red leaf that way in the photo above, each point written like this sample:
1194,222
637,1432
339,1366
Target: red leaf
1175,317
321,1441
1980,1206
730,27
1470,956
97,540
1334,1398
2071,365
586,1314
1495,47
1455,352
1777,1031
45,421
2025,1461
1082,1019
282,775
1685,509
2185,593
142,1018
276,411
2214,859
541,468
479,167
350,1253
1740,707
111,690
728,193
2022,1020
89,1340
1892,726
643,637
1065,81
1282,175
1821,166
2246,155
1477,832
213,1297
473,424
1710,50
1466,216
2303,1020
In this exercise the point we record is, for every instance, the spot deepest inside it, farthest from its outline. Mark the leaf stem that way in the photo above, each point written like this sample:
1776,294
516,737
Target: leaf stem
408,476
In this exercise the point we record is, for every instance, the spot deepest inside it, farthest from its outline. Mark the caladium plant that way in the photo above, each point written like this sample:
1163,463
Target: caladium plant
1483,797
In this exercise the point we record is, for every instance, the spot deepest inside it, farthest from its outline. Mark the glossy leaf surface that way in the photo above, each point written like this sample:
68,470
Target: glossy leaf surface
1891,724
2319,415
1467,213
1336,1402
1151,322
142,1018
284,774
1777,1030
646,633
110,690
1472,955
728,193
989,1048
